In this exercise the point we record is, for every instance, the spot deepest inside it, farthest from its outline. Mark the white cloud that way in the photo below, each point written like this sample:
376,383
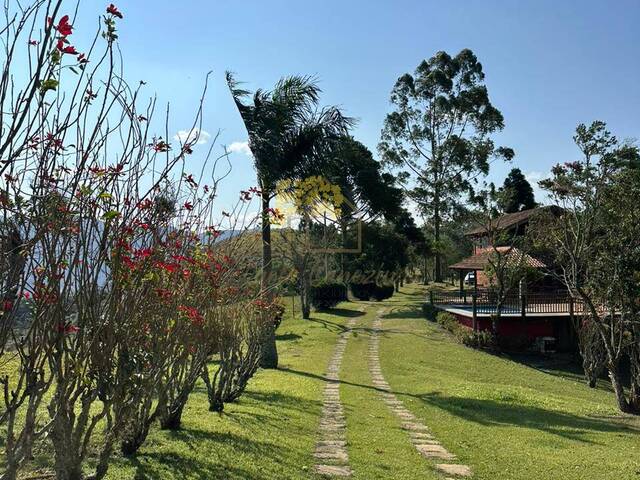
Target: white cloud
240,147
533,178
190,136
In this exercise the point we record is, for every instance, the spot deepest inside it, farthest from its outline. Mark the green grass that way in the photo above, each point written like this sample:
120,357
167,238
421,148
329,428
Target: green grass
269,433
504,419
378,447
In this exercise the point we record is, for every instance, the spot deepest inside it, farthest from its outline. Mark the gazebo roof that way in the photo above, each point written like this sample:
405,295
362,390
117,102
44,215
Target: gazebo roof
480,260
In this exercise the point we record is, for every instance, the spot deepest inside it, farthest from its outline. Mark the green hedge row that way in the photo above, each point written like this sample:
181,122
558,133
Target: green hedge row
366,291
327,294
464,334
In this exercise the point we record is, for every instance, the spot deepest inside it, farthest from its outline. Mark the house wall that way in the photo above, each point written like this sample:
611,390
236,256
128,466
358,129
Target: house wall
514,326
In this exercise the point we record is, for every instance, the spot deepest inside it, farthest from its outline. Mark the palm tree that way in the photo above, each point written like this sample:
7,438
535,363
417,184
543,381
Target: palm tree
289,136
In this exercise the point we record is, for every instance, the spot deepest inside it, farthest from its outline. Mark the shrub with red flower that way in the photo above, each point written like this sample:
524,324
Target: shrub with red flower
113,10
64,28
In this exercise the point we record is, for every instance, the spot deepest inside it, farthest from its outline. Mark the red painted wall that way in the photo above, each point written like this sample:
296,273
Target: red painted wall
512,327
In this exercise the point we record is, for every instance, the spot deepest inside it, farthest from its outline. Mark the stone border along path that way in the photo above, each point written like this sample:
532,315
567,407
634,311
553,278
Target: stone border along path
331,448
424,441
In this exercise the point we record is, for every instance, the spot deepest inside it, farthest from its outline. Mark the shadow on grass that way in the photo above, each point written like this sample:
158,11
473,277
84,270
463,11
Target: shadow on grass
288,336
177,459
495,413
281,402
408,314
567,366
175,464
345,312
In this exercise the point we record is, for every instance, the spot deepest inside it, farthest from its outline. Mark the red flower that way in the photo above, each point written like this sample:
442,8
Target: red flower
192,314
188,206
82,59
33,42
68,49
113,10
27,295
145,204
128,261
189,179
169,267
164,293
143,253
64,27
67,329
7,306
161,146
142,225
213,232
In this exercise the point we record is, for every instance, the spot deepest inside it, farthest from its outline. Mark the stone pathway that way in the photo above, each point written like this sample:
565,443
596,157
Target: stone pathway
331,449
421,438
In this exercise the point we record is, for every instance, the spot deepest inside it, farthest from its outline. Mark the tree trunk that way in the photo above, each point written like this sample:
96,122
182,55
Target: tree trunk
67,462
424,272
436,235
172,419
305,291
269,357
618,388
134,439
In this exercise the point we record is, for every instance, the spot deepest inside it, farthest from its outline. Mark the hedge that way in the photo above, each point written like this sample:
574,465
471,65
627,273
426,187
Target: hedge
382,292
362,291
327,294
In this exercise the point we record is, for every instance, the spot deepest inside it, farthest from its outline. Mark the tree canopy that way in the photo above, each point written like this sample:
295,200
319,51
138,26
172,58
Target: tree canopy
517,194
439,133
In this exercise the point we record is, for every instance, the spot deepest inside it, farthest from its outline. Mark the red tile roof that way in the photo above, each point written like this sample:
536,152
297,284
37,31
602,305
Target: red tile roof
480,260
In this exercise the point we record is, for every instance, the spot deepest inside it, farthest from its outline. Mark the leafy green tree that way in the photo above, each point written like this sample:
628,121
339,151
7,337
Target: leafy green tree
517,194
597,246
439,133
289,135
385,254
371,191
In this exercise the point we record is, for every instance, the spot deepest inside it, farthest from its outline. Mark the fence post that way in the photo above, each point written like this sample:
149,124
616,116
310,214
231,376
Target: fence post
523,312
474,318
523,305
431,297
465,297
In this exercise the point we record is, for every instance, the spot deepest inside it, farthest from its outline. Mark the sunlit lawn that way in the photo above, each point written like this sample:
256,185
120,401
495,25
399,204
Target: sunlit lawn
504,419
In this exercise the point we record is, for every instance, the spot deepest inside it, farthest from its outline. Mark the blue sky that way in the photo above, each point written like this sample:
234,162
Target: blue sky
549,64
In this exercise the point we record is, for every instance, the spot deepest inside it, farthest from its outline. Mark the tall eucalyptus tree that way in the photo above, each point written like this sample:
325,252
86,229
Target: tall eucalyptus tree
439,133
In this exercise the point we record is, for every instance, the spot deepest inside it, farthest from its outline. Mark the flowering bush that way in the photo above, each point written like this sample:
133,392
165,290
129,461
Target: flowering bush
241,331
111,280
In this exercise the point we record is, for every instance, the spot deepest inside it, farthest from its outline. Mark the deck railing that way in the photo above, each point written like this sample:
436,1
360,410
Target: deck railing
484,301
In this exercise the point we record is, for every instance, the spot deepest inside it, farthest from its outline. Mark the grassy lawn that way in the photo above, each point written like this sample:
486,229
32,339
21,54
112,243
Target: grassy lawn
502,418
378,448
269,433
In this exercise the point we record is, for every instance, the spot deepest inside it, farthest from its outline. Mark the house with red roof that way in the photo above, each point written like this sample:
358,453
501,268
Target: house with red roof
538,310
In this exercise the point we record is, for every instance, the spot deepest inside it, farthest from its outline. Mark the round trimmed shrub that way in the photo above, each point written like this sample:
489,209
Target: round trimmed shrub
382,292
362,291
327,294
